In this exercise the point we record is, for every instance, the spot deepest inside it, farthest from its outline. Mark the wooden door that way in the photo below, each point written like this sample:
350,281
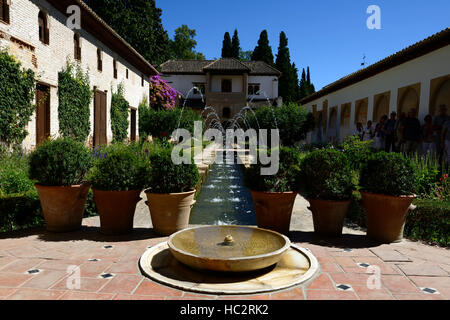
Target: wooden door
42,113
133,125
100,118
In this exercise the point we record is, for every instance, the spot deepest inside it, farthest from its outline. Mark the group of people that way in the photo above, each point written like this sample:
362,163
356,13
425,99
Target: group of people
406,134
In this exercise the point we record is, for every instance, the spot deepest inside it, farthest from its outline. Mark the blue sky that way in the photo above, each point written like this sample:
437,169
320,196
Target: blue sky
330,36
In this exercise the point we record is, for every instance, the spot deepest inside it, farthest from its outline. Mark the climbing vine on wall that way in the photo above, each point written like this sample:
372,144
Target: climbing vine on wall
17,88
119,115
74,100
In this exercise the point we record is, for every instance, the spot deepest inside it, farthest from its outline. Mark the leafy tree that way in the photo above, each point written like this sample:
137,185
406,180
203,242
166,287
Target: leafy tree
139,23
263,51
235,45
245,55
183,44
226,46
288,84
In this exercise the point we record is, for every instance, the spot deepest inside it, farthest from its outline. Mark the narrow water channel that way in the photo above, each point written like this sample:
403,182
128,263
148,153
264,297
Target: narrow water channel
224,200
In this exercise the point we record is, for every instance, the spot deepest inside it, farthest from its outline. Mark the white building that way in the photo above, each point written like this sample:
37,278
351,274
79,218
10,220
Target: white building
416,77
36,33
227,84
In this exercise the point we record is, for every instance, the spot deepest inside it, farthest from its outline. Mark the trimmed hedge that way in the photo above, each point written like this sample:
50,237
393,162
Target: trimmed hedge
20,211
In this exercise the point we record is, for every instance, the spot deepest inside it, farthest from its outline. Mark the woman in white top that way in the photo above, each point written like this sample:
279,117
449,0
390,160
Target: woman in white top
368,132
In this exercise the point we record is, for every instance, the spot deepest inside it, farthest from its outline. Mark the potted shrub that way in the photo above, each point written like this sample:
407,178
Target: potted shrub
387,182
117,179
325,180
274,196
171,191
59,167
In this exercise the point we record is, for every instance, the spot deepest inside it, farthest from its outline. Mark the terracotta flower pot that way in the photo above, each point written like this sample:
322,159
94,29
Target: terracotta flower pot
386,216
63,207
170,212
274,209
328,216
116,210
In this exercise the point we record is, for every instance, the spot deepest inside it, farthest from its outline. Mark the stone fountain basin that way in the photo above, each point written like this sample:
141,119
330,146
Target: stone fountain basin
228,248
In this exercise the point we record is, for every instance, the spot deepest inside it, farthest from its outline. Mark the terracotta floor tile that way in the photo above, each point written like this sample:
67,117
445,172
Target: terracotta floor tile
424,269
45,279
322,282
35,294
389,255
122,283
94,269
295,294
59,264
13,279
86,284
4,292
345,261
398,284
76,295
148,287
365,293
330,295
432,282
22,265
121,296
130,267
353,279
5,261
330,267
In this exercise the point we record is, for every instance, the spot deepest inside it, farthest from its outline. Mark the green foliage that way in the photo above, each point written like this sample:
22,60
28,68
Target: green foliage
427,172
357,151
119,115
356,213
144,118
227,46
62,162
74,96
441,190
389,174
139,23
306,87
119,167
17,88
429,222
183,44
20,211
245,55
293,121
167,177
283,181
327,175
162,123
235,45
263,51
14,174
288,83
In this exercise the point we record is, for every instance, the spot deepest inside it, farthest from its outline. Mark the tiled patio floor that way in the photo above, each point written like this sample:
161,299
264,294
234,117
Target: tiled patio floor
33,265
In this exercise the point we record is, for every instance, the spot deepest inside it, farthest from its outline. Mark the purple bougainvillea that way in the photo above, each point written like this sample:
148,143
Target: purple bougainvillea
162,96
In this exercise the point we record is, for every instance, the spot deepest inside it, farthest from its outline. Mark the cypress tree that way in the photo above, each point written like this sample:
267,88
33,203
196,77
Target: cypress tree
303,86
263,51
287,86
235,45
226,46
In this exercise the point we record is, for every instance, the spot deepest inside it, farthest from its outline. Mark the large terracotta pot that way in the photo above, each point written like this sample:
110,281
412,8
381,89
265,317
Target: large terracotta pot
328,216
170,212
274,209
116,210
63,207
386,216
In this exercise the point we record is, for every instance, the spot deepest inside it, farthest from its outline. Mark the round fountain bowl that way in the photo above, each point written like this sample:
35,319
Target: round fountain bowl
228,248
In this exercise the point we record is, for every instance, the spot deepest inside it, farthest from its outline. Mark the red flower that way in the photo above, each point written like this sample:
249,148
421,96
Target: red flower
445,176
164,133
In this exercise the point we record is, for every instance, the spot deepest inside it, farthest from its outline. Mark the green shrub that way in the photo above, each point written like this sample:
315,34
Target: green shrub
357,151
119,115
283,181
293,122
20,211
429,222
326,174
389,174
74,94
356,213
167,177
143,115
119,167
14,174
427,170
17,89
61,162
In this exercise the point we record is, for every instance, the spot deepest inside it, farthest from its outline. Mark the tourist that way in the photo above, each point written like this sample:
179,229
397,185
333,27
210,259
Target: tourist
398,133
380,135
411,132
438,123
389,131
359,131
428,138
368,132
445,141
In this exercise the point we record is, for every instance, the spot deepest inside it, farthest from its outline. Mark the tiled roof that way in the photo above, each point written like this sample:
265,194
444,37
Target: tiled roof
224,64
435,42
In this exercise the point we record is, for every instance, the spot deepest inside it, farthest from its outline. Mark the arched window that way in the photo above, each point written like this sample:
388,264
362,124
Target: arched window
99,60
115,68
43,27
77,46
4,11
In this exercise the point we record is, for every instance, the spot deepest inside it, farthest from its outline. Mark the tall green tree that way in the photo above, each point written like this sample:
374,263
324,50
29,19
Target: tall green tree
226,46
288,84
263,51
306,86
245,55
311,88
183,44
139,23
235,45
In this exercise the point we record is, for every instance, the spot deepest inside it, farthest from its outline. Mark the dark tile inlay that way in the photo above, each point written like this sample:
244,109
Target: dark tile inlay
430,290
107,275
34,271
343,287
